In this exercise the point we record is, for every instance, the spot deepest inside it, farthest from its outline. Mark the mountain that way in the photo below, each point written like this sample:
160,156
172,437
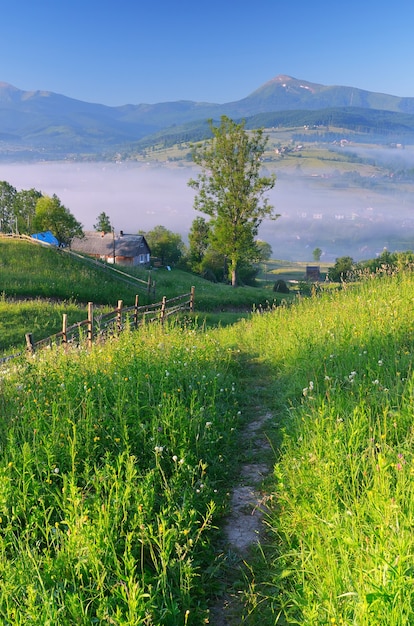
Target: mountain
284,93
36,124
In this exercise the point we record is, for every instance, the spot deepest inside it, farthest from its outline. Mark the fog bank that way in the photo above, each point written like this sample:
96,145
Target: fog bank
341,221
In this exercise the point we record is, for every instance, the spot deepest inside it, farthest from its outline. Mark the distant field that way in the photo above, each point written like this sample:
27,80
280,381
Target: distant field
289,270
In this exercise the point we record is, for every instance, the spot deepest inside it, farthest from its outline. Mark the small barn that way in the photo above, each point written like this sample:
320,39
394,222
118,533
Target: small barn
120,248
313,273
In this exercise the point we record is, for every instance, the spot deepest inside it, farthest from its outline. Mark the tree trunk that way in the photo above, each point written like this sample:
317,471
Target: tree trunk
234,277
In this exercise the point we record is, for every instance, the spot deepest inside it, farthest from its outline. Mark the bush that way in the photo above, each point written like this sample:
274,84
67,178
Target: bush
342,270
280,286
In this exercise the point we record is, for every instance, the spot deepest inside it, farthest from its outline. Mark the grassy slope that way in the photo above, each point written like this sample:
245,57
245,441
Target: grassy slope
114,462
338,378
339,373
29,272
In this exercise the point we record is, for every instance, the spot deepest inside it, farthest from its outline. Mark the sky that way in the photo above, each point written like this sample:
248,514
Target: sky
134,52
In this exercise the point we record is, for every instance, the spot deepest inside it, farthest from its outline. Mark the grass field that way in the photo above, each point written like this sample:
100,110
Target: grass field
339,544
117,463
38,285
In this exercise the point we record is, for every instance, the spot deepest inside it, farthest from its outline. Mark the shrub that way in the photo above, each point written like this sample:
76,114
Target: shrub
280,286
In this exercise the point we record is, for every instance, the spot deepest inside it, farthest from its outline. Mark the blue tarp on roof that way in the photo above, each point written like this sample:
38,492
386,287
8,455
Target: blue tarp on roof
46,237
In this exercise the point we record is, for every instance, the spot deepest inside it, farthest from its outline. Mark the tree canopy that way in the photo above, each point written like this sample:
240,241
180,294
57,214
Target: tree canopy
25,209
231,190
198,240
54,216
342,269
7,204
28,210
103,223
165,245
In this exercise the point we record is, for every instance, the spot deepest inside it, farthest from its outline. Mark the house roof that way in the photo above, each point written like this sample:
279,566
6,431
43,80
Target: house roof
46,237
103,244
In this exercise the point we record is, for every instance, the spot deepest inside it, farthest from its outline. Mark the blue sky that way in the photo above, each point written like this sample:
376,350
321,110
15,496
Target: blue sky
132,52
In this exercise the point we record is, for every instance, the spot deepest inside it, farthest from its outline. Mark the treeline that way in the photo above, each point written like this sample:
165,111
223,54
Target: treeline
28,211
345,269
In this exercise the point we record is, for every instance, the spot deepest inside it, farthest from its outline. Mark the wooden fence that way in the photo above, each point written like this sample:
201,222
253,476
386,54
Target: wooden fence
97,326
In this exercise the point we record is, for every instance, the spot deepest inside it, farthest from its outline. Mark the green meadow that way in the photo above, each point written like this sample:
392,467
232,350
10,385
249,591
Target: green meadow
117,463
339,543
38,285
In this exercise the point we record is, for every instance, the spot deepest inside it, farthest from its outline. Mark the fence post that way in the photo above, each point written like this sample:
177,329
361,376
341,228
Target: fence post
119,316
136,311
192,299
149,282
164,300
90,324
64,329
30,343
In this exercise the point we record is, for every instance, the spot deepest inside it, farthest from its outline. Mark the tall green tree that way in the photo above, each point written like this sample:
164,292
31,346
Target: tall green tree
264,250
231,190
198,240
166,245
52,215
25,209
317,253
103,223
7,206
342,270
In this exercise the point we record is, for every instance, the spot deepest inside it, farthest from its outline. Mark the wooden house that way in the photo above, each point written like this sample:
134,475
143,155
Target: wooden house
313,273
121,248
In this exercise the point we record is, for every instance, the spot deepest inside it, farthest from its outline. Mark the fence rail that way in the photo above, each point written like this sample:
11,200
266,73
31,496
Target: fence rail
99,325
25,237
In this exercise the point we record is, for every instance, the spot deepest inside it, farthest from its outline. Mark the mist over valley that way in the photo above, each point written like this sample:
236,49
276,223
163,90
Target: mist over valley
343,157
341,212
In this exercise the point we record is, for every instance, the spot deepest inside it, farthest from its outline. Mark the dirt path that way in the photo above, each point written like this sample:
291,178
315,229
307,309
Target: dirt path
243,526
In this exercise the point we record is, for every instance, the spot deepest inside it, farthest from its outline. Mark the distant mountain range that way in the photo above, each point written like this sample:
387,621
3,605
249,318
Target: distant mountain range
42,124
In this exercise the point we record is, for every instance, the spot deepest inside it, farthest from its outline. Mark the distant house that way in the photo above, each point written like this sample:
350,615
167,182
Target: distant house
313,272
120,248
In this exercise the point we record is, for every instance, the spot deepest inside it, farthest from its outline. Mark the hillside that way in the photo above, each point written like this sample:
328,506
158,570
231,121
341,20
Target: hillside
40,124
120,464
40,284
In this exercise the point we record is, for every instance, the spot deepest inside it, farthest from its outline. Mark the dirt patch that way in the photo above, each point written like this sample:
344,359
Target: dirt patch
244,524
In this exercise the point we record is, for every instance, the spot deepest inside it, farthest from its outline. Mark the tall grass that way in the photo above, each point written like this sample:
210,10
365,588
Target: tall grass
340,539
41,318
114,465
